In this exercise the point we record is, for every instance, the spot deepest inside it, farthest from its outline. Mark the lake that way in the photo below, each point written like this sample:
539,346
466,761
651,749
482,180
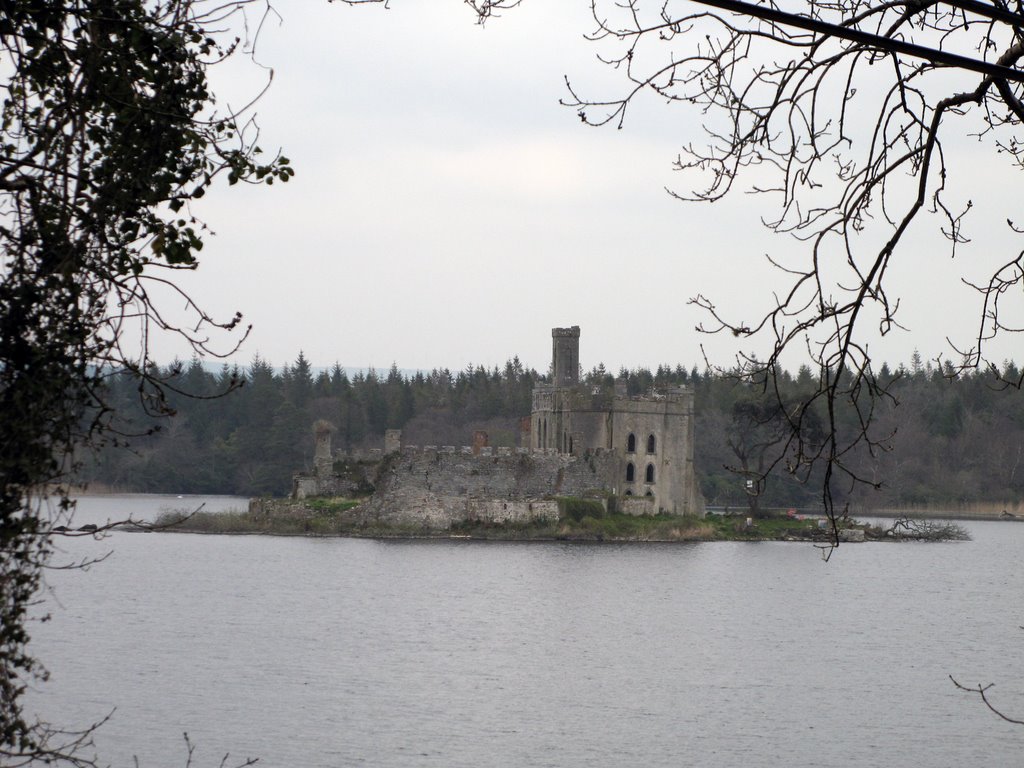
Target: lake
345,652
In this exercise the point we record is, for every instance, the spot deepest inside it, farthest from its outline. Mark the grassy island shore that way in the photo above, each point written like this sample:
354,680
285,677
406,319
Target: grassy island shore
338,517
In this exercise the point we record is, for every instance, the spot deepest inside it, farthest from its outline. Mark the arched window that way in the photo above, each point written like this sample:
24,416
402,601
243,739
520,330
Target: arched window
650,473
631,443
649,493
630,472
650,443
629,492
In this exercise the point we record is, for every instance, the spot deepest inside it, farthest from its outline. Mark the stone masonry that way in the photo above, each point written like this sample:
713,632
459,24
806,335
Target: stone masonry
578,441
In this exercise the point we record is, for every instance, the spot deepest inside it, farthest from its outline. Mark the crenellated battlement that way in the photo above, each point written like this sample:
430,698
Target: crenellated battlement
578,439
376,454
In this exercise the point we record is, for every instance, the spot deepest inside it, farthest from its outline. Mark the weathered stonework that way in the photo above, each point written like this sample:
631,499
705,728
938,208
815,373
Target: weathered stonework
636,452
342,476
441,488
652,434
392,441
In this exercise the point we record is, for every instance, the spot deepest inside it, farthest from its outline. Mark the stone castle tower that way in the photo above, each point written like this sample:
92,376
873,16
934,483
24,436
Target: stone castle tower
651,435
579,440
565,356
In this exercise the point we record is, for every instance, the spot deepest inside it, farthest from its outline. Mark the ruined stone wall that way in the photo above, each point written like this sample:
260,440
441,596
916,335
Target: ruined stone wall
637,505
305,486
434,487
392,440
437,488
350,478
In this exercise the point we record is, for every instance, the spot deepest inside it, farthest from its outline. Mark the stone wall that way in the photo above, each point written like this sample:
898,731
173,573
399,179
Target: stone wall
304,486
350,478
637,505
392,441
437,485
439,488
262,508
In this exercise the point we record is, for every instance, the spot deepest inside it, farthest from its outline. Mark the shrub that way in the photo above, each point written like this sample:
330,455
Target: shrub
576,509
331,506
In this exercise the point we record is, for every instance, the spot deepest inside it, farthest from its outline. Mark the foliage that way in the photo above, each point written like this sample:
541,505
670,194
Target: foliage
576,509
949,441
316,519
231,446
331,506
309,519
108,134
766,527
326,517
620,527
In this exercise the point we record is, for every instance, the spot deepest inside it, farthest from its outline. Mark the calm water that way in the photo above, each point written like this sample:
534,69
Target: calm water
337,652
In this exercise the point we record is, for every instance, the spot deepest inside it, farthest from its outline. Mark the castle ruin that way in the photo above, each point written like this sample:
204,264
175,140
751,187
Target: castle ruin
634,453
651,435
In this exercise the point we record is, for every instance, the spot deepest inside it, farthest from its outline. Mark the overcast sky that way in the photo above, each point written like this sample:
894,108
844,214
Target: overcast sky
446,210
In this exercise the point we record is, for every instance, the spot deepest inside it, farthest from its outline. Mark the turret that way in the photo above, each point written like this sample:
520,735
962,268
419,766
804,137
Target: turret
565,356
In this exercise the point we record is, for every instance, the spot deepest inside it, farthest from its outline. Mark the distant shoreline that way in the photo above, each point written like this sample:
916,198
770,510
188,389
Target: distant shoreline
980,510
965,515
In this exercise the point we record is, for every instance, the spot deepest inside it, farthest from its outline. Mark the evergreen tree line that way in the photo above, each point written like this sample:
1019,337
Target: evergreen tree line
946,440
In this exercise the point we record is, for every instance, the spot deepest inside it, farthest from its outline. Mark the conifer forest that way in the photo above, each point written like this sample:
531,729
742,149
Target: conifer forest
944,439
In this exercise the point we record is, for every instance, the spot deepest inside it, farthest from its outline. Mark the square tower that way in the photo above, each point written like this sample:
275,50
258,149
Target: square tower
565,356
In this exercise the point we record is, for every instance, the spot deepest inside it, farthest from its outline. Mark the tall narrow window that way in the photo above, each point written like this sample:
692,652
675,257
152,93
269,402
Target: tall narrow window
631,443
650,473
650,443
630,472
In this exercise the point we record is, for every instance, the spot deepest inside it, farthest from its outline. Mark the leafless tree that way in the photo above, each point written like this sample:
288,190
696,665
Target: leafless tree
837,113
908,528
759,427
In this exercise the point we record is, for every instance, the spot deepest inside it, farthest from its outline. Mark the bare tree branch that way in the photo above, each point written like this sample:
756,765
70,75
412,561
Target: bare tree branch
982,691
